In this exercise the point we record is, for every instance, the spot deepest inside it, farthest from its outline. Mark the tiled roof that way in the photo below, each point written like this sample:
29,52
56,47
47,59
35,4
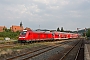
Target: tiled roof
15,28
27,28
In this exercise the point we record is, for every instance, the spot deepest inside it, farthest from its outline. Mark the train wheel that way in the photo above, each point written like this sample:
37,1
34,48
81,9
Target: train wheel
19,41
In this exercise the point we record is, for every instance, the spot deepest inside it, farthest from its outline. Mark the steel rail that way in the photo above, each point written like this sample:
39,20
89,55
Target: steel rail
79,51
69,51
48,48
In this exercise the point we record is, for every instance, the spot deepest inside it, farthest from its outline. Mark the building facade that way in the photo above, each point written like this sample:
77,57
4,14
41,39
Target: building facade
2,28
27,29
15,28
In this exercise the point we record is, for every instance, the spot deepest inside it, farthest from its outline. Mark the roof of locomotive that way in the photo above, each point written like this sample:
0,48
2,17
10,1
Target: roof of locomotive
37,31
42,31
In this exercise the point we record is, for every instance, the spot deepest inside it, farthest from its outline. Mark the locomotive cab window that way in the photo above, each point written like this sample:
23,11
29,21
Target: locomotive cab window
23,33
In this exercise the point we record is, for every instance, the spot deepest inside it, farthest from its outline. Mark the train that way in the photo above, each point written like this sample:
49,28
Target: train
33,36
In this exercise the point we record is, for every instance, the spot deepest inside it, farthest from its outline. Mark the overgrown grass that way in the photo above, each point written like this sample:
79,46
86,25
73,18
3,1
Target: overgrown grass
21,47
8,41
1,38
26,46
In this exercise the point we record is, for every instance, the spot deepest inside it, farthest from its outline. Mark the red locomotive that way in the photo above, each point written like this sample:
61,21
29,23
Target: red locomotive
29,36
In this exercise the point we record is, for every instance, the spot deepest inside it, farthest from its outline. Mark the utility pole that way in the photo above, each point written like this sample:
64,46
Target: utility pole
39,28
85,33
78,29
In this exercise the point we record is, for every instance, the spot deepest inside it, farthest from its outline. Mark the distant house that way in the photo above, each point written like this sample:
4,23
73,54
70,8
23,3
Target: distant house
27,29
15,28
2,28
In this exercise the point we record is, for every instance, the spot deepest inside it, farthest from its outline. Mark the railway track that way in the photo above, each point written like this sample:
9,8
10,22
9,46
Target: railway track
12,44
80,53
36,52
8,45
73,53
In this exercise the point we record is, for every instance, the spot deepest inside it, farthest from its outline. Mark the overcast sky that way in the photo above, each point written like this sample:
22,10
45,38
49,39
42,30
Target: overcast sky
48,14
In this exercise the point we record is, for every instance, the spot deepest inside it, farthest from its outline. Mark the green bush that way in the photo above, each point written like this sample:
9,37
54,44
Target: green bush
12,35
88,33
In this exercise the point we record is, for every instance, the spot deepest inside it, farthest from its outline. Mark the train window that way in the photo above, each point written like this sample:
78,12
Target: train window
53,34
23,33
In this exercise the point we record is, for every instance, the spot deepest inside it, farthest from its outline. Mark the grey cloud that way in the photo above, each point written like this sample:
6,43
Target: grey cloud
49,14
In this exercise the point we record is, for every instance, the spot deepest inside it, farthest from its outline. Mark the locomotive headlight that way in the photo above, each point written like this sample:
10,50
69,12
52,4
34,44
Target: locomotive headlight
21,37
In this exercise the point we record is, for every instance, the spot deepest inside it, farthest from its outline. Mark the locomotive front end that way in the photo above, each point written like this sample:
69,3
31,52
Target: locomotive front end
22,36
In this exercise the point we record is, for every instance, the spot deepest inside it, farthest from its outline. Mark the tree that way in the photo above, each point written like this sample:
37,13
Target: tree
10,34
88,33
7,30
4,29
58,29
62,29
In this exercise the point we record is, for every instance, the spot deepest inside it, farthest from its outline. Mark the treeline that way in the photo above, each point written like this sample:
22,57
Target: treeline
85,33
62,30
10,34
88,33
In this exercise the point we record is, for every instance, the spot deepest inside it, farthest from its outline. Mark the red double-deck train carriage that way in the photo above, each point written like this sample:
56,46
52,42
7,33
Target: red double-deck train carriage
29,36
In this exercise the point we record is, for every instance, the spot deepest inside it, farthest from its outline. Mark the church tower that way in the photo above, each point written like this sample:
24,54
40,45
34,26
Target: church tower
21,24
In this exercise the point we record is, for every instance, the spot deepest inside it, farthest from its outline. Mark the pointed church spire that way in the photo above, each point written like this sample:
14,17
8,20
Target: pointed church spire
21,24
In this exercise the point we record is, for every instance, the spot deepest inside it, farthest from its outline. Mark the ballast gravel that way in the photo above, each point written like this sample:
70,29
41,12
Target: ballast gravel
46,55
